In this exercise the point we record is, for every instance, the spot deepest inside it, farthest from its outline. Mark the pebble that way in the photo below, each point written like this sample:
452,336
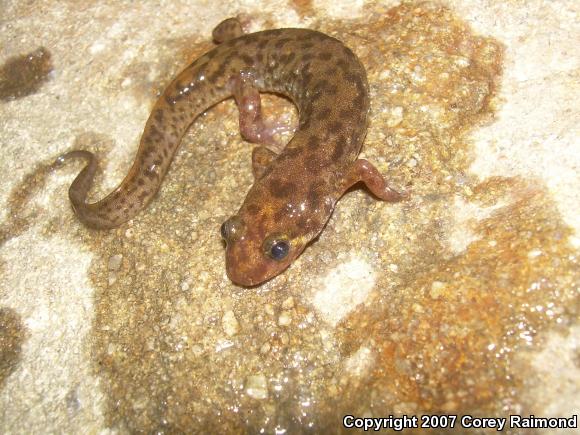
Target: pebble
257,386
417,308
395,116
269,309
288,303
285,318
437,289
115,262
196,350
327,341
284,339
230,323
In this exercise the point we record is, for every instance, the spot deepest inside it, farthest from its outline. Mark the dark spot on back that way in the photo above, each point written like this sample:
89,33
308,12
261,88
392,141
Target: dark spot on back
281,188
336,126
339,148
313,143
153,132
280,43
248,60
143,195
359,100
251,38
346,113
313,196
331,89
306,77
159,115
343,65
219,71
170,100
149,150
331,71
289,153
323,114
252,209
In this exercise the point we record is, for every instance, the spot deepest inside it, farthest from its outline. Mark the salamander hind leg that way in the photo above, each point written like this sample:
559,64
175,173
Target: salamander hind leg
253,127
227,29
363,170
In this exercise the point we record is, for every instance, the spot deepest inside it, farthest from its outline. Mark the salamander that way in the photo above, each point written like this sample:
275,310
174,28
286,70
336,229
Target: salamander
296,187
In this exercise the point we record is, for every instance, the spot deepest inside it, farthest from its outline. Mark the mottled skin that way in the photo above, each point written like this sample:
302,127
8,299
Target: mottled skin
296,188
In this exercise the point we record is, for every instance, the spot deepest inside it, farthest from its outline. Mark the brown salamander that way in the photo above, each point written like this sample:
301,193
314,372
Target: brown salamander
295,188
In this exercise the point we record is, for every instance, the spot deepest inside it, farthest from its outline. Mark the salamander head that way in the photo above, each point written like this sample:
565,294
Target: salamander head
263,239
257,250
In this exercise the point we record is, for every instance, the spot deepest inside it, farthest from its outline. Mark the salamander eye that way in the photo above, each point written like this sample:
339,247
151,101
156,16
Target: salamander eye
276,248
279,250
231,229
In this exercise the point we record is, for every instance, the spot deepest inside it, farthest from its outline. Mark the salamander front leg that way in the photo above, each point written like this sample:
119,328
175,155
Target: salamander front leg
363,170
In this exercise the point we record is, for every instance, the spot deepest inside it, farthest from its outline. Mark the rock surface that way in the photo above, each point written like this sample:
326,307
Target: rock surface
463,299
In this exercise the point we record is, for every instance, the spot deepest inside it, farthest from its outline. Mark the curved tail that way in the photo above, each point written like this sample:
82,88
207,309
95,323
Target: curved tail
183,100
